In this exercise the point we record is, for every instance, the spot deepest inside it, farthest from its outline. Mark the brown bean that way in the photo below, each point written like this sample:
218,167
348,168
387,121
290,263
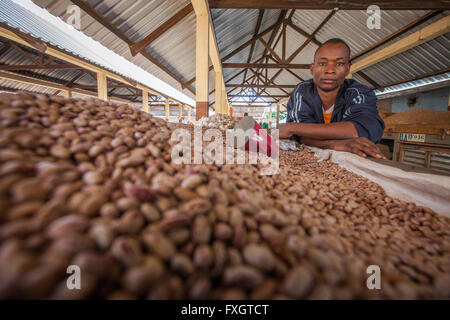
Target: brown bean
298,282
243,276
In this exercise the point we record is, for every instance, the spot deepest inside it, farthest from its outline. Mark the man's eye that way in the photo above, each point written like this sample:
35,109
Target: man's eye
322,64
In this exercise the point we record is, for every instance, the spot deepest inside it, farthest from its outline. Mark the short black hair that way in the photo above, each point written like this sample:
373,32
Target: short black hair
245,114
333,40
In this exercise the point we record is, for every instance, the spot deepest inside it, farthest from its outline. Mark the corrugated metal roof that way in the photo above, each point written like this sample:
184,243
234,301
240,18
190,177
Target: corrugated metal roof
37,22
175,49
137,19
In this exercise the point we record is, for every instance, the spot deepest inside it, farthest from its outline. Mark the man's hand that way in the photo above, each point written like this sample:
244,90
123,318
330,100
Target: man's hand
284,130
361,146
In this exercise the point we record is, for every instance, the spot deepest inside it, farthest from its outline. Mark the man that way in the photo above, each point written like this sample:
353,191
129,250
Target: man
332,112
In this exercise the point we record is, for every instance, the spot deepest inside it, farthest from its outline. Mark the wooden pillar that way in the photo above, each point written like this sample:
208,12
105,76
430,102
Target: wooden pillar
218,93
189,114
224,101
180,111
68,93
102,86
202,65
167,109
145,101
278,114
270,117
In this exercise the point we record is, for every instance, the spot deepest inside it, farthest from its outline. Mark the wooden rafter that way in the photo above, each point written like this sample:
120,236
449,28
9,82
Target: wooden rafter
426,75
368,79
398,33
295,75
240,48
25,53
96,15
324,4
139,46
423,35
6,47
315,41
278,24
260,86
48,61
266,65
272,52
252,47
301,31
39,67
262,96
311,36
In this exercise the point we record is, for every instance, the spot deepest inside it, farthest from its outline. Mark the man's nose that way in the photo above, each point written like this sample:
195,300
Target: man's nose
331,68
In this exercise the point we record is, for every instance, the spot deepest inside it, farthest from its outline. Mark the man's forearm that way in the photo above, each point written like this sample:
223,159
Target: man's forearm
323,144
336,130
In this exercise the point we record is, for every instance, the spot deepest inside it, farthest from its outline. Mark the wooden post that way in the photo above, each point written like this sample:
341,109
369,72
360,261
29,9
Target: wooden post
180,112
278,114
102,86
189,115
68,93
224,101
145,101
202,65
270,117
218,93
167,109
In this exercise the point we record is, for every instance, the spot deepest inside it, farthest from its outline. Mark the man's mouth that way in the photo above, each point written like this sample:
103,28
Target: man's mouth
328,81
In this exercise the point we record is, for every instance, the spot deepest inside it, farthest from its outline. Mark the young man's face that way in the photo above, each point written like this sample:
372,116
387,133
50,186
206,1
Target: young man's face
331,66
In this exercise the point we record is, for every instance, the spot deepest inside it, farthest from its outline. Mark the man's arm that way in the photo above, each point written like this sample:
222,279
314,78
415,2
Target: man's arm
335,130
360,146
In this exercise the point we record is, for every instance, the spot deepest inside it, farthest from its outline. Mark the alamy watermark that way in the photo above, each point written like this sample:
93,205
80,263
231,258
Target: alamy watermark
74,280
374,19
74,18
374,280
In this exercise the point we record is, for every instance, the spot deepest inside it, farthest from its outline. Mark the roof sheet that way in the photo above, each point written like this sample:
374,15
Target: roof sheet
29,18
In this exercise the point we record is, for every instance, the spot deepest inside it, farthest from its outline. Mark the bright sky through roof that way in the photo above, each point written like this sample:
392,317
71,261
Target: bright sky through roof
414,84
96,52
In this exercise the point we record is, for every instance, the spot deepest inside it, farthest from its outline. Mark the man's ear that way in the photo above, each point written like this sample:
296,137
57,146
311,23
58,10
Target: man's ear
311,68
349,68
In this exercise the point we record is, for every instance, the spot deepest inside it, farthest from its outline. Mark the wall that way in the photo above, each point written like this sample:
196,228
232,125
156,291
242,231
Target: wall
433,100
384,105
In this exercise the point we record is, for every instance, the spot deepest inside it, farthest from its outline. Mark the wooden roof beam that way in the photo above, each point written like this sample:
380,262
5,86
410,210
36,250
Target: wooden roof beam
423,35
239,49
39,67
396,34
48,84
426,75
266,65
324,4
260,86
139,46
96,15
252,47
312,35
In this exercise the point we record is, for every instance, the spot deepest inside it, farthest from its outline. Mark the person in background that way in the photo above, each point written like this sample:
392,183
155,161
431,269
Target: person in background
332,112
